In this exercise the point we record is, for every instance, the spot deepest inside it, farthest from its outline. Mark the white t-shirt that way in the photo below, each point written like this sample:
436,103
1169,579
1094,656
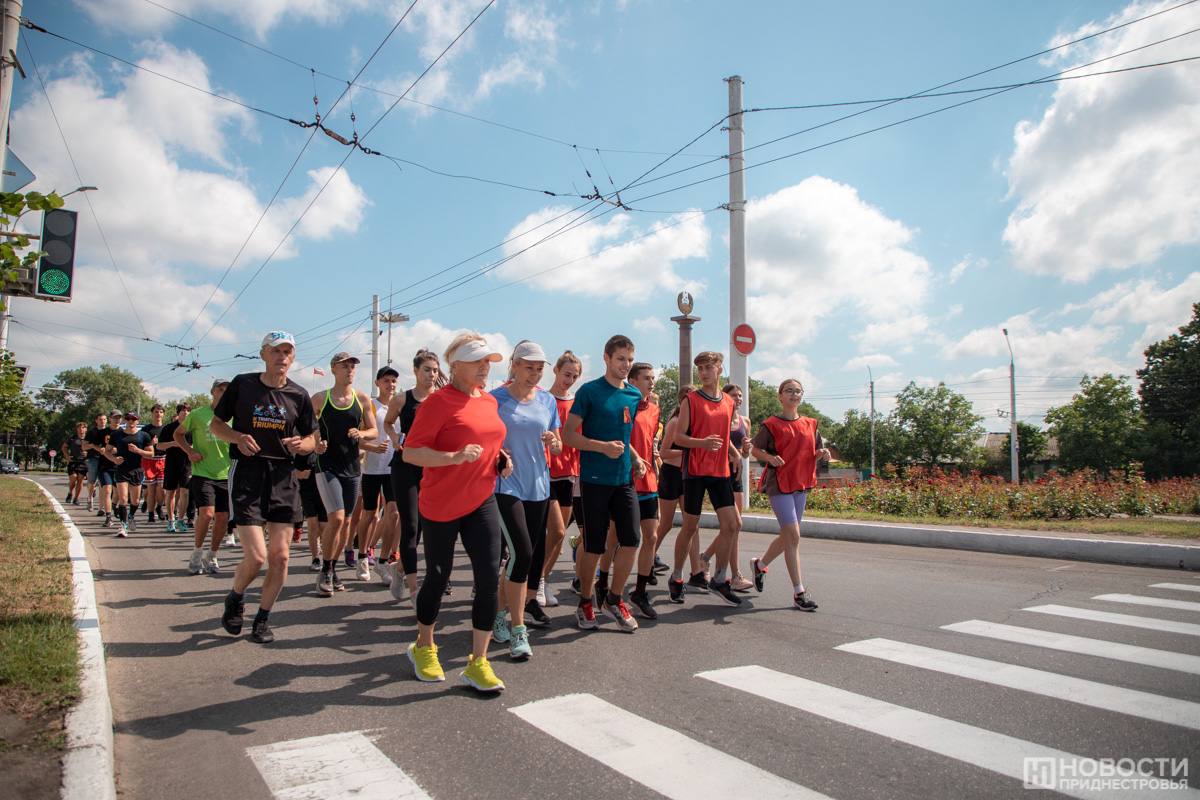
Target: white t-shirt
379,463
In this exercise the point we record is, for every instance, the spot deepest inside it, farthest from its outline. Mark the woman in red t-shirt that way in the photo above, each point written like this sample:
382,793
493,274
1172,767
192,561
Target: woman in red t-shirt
564,475
456,437
790,446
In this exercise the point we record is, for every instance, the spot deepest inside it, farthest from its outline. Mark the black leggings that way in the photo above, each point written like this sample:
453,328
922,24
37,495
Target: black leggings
525,534
406,479
480,532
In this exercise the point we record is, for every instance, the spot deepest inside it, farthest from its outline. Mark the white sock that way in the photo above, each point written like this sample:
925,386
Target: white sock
799,587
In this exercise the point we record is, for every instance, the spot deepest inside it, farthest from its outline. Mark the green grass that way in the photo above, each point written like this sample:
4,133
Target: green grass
39,654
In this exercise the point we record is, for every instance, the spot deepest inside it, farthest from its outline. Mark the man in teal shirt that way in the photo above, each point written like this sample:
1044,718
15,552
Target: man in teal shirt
210,473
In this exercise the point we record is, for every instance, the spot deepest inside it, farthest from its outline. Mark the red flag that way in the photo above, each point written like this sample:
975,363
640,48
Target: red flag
318,371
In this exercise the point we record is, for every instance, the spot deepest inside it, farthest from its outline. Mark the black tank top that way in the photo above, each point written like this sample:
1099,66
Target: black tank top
408,412
342,456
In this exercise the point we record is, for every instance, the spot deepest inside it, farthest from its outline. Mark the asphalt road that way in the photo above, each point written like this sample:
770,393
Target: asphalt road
759,701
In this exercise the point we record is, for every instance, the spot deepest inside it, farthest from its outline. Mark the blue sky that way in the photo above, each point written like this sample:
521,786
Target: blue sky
1066,212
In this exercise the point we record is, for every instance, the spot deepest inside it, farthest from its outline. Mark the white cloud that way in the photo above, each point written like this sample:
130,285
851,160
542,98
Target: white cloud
967,262
650,325
1069,350
874,360
634,262
1160,311
259,16
899,333
781,366
1106,179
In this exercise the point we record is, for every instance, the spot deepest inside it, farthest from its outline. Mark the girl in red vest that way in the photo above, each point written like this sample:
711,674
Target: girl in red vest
790,446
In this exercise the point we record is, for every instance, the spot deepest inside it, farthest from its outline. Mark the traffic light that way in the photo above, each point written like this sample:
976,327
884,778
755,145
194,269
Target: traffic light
56,269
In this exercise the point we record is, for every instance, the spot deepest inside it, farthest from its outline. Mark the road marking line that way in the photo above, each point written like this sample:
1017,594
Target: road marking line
653,755
1183,587
976,746
1180,662
1129,620
1142,600
333,767
1159,708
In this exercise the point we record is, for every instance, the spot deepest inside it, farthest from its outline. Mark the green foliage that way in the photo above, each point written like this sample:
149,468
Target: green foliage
94,390
13,206
853,438
937,425
1170,393
1032,442
1100,428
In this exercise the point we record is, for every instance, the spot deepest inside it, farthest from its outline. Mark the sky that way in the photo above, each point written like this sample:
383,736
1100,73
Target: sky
885,239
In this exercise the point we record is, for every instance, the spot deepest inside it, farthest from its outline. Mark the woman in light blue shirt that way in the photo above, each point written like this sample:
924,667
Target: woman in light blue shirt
531,417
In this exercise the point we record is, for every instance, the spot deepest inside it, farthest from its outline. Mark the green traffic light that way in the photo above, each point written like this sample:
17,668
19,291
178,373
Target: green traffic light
55,282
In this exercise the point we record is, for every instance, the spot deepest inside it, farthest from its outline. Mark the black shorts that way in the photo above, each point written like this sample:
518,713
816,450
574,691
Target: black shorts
735,481
648,508
670,482
177,477
603,504
79,467
561,491
134,477
263,490
372,485
720,492
210,492
310,500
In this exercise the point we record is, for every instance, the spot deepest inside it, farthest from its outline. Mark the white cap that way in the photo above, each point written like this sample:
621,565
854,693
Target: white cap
475,350
529,351
277,338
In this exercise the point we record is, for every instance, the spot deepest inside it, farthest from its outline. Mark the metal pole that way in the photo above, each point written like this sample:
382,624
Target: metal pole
873,473
738,366
1013,446
10,28
374,336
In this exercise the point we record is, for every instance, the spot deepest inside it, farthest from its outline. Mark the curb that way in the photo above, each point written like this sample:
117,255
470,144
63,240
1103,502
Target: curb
1104,551
88,763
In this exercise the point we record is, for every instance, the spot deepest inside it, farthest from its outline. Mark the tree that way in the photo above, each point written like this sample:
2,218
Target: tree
1031,445
13,206
1100,428
77,395
853,438
1170,394
937,425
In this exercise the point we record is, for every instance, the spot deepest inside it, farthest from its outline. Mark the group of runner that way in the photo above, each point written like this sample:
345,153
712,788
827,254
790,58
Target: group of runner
505,472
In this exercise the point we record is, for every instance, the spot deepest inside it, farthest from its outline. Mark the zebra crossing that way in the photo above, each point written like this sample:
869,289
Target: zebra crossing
669,763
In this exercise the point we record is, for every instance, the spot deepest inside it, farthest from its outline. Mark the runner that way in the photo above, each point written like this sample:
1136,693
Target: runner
107,471
670,490
564,476
645,428
599,426
530,416
705,420
376,481
344,428
210,459
790,445
406,477
129,447
739,449
153,467
177,471
272,422
92,445
456,438
77,468
310,503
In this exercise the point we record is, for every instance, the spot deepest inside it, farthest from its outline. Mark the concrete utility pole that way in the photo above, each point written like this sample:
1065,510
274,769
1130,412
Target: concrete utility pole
391,319
1013,447
738,366
872,376
10,28
374,335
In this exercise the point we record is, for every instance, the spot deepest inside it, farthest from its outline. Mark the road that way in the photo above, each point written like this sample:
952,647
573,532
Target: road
870,697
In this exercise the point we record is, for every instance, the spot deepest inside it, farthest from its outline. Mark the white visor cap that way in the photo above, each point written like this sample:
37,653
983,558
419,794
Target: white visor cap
475,350
529,351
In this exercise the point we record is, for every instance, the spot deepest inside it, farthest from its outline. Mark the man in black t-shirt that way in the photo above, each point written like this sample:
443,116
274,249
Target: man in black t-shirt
106,473
177,471
273,421
93,441
72,450
129,447
153,466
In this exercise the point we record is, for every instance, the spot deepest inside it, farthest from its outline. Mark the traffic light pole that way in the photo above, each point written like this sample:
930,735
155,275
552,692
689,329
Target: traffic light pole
10,28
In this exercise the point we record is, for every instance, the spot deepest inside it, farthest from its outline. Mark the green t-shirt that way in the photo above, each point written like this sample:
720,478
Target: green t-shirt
215,465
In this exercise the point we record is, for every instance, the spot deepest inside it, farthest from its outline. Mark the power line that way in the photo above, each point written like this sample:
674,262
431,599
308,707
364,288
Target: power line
106,351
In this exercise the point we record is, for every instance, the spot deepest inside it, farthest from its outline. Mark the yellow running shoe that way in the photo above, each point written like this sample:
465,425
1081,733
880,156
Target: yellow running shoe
425,663
479,676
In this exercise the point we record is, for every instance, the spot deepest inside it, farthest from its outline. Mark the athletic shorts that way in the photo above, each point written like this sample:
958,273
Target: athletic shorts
134,477
107,477
372,485
310,500
93,469
670,482
209,492
561,490
338,492
735,481
603,504
153,468
77,468
263,490
720,492
648,507
177,477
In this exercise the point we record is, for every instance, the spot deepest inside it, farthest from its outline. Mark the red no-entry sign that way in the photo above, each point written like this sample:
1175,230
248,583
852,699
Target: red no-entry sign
744,339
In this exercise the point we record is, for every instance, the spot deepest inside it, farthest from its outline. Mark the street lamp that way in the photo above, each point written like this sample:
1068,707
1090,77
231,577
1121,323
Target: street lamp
80,189
1012,411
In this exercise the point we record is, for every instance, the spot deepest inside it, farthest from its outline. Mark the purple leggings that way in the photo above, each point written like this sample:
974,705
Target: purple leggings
789,508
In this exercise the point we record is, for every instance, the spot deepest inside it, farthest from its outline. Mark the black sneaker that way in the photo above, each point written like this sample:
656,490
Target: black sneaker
534,616
575,585
726,593
652,580
641,602
802,602
338,586
660,566
231,620
676,589
150,517
100,513
760,572
698,582
261,633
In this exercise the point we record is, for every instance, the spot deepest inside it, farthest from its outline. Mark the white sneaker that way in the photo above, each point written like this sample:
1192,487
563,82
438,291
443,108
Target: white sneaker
385,574
551,599
541,593
196,563
229,541
364,570
398,585
211,565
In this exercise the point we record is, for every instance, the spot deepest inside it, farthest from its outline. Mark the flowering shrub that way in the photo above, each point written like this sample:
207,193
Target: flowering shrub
933,493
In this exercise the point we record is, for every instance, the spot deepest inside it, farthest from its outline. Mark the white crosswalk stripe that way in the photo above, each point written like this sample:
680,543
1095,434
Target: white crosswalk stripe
982,748
1182,587
655,756
1129,620
1143,600
339,766
1048,684
1164,659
